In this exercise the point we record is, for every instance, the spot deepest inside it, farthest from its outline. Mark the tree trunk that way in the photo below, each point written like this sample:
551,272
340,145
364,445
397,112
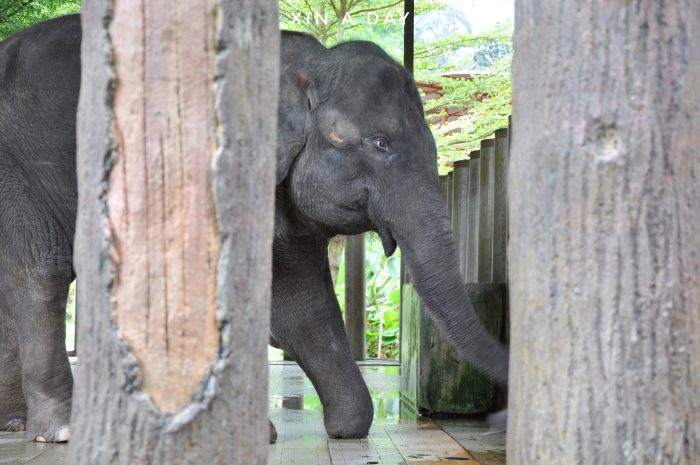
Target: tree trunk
605,251
340,33
176,179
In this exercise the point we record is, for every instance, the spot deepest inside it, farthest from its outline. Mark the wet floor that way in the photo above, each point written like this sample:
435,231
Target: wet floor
296,411
396,436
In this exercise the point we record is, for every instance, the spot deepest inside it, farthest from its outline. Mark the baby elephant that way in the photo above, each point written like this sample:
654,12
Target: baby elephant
354,154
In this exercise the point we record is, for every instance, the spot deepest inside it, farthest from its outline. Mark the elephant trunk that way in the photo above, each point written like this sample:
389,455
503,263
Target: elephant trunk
428,250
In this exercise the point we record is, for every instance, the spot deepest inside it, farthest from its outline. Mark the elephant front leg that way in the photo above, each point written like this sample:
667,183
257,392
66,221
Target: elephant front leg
307,323
13,409
38,299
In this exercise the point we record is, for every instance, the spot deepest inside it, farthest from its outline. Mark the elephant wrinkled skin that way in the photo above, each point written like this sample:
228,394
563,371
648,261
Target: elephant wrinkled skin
354,154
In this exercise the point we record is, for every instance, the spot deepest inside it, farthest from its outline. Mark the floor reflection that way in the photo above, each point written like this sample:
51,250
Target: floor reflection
296,411
397,437
293,402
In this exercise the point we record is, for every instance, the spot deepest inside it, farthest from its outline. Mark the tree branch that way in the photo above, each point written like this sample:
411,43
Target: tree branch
369,10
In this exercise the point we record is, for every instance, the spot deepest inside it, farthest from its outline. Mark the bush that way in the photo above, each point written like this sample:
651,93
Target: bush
16,15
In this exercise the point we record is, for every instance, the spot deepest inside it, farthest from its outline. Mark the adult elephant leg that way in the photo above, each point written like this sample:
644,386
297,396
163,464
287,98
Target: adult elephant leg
36,255
13,409
307,323
38,302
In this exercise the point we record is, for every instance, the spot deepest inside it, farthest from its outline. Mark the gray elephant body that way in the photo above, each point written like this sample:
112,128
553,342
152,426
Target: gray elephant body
39,84
354,154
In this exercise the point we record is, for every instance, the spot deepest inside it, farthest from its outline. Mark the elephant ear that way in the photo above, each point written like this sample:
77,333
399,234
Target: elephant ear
296,101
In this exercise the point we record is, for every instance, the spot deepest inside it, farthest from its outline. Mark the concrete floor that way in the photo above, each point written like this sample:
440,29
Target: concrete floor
296,411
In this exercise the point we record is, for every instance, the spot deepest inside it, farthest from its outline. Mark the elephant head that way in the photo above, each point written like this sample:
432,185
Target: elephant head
355,154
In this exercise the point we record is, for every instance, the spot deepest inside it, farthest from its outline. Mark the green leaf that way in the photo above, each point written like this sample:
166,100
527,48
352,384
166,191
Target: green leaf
393,267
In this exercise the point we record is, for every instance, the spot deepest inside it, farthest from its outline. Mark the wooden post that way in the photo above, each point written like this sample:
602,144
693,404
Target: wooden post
434,379
443,185
449,195
443,188
355,310
510,145
605,234
460,210
510,131
500,207
472,260
176,144
486,195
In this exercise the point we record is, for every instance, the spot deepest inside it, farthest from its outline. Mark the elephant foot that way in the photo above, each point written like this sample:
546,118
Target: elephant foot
61,434
15,425
273,433
347,425
49,424
13,416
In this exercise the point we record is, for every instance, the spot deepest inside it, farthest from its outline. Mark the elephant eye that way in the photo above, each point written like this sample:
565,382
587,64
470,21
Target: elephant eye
382,144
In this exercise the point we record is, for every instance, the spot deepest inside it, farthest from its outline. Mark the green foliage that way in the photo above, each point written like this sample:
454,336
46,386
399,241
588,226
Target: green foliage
71,318
16,15
422,7
330,28
488,95
382,298
490,52
489,99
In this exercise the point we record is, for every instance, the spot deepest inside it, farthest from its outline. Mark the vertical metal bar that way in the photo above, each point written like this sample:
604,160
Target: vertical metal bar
408,35
460,210
355,313
408,62
500,207
472,259
485,266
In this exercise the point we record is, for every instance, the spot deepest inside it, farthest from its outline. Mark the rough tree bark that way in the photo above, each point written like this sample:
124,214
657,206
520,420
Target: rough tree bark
605,251
176,176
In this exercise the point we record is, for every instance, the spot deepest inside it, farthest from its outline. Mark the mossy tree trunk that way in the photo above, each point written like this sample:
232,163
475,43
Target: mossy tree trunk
605,233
